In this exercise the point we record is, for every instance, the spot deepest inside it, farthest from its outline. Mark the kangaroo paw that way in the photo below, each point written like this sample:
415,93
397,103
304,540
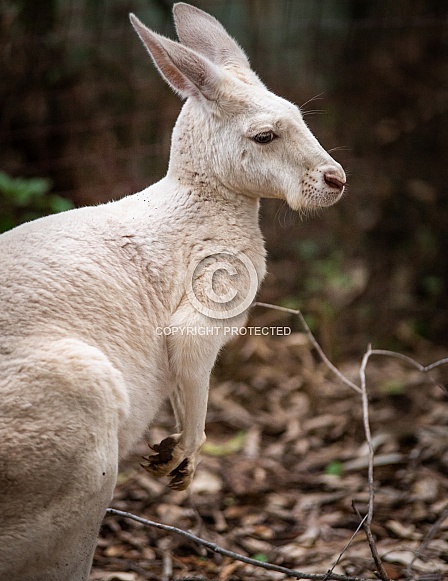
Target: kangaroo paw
165,458
170,460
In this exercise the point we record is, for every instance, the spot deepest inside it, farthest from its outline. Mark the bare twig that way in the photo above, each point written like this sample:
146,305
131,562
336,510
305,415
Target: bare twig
422,368
167,566
428,537
365,522
433,530
221,551
366,526
358,528
316,345
368,531
367,432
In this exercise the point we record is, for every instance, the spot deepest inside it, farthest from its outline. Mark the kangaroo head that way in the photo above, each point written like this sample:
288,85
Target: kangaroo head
232,131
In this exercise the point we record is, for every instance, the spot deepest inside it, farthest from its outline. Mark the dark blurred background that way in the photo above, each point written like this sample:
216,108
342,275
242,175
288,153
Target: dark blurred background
85,118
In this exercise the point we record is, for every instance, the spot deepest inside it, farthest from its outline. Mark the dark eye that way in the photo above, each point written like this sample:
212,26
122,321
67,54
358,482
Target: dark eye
264,137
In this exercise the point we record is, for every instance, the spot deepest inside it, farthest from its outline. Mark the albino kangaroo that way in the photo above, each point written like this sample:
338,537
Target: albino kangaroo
95,301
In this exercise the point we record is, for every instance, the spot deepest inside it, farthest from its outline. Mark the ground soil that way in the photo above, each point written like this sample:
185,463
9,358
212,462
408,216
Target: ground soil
285,459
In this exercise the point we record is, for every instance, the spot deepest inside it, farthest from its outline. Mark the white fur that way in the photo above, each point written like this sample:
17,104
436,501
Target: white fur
83,371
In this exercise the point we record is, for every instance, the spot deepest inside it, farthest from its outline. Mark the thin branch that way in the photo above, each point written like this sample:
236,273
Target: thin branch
167,566
385,352
367,432
316,345
428,537
358,528
217,549
367,520
433,530
422,368
368,531
436,364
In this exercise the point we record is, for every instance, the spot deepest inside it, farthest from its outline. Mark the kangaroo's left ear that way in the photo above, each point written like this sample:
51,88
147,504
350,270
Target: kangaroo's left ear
186,71
203,33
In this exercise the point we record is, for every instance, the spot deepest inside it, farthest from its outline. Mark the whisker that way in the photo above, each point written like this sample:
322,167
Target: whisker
313,112
285,215
319,96
277,212
340,148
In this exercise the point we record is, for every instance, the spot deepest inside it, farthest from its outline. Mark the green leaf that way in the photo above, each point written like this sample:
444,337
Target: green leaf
230,446
23,191
5,182
60,204
335,468
261,557
393,387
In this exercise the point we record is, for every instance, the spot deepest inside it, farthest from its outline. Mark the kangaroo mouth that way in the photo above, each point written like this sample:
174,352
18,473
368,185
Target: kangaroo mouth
315,198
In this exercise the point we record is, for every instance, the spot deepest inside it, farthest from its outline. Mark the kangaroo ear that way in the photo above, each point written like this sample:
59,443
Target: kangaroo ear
203,33
186,71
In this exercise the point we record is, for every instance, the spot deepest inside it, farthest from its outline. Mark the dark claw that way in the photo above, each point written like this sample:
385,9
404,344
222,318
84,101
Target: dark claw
164,451
179,476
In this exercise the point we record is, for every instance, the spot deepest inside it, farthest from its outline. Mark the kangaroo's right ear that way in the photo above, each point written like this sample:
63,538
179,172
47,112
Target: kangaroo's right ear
202,32
186,71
